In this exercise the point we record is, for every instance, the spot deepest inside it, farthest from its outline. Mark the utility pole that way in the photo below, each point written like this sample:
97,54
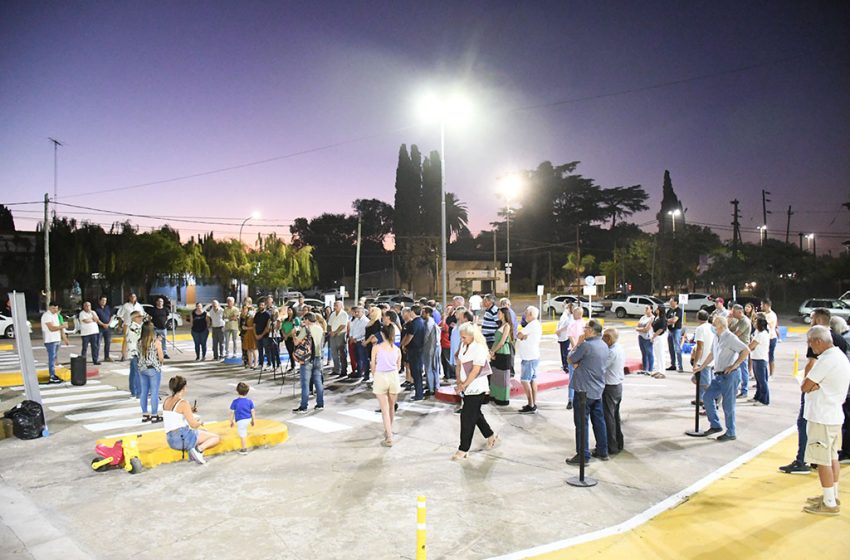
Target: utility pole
357,262
46,250
788,226
56,144
736,228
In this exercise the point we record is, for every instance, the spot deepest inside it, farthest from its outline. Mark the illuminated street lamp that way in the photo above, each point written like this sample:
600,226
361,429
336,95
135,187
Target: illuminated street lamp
445,108
255,215
510,186
673,214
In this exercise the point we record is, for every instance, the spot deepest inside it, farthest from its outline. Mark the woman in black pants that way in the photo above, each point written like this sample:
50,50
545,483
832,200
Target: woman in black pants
474,359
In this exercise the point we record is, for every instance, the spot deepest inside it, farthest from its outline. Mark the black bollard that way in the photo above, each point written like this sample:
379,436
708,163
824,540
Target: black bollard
696,431
581,408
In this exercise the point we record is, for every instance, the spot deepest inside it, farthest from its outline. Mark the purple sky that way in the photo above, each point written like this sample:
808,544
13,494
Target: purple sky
142,92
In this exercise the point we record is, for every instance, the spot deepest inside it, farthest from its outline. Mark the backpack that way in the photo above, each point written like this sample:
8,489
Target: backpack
303,351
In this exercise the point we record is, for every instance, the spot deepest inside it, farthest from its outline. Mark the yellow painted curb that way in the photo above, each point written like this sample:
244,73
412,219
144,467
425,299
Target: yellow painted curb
154,450
14,378
752,512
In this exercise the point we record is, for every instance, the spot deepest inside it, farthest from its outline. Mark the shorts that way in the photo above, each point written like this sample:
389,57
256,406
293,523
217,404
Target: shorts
384,382
529,370
182,439
242,427
823,445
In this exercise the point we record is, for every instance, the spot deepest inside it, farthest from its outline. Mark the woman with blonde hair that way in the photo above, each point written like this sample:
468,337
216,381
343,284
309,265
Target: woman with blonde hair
472,385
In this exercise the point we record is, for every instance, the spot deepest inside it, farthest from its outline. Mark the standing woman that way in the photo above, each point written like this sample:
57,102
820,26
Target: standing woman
386,361
287,330
150,374
249,337
659,338
501,358
181,425
200,331
759,349
472,385
644,330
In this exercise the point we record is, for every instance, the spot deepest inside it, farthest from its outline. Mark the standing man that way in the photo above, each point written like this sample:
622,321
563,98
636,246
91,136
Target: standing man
104,316
262,326
125,314
528,350
89,332
589,358
338,325
728,355
311,369
217,323
231,326
742,328
704,340
53,333
825,387
772,329
612,395
413,344
674,336
159,318
490,319
820,317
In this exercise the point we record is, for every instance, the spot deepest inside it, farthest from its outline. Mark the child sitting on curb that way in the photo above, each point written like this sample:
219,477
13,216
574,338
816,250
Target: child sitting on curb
242,414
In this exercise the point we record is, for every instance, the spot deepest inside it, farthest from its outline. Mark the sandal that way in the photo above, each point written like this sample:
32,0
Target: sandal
146,417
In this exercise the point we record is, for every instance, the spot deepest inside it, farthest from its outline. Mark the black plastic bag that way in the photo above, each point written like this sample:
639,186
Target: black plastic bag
27,420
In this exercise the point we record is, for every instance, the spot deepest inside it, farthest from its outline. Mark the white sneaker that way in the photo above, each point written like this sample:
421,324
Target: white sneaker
197,456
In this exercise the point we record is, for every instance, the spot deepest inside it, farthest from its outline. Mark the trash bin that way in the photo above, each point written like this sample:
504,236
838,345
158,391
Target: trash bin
78,370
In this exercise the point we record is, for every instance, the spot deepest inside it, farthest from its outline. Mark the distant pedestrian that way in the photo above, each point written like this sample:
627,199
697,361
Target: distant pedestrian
231,328
89,332
759,353
216,314
104,318
386,361
160,317
644,331
528,351
472,385
612,395
589,357
242,414
53,334
200,331
150,358
675,318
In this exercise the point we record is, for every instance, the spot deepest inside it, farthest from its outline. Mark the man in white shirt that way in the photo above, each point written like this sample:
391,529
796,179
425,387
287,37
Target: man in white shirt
528,349
125,314
772,329
53,334
357,333
89,332
704,341
826,388
612,395
337,326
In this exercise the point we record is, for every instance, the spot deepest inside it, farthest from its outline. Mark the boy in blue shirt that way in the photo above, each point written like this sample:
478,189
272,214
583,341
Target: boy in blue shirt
242,414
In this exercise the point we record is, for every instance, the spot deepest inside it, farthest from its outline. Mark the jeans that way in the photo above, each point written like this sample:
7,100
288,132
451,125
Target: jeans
565,352
150,381
612,396
162,335
338,353
725,386
230,335
760,371
414,357
593,413
218,342
52,351
135,385
674,345
200,339
706,375
470,417
106,337
311,372
646,358
745,377
802,436
94,341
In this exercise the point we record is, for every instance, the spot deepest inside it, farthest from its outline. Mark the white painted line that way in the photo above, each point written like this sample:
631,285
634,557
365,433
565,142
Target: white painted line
76,390
85,396
368,415
320,425
78,406
655,510
136,410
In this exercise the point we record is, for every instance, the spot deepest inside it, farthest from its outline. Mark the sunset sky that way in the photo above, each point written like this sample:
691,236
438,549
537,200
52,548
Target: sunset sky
731,99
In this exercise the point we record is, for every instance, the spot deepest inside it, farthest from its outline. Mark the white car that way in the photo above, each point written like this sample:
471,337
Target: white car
7,327
557,303
633,306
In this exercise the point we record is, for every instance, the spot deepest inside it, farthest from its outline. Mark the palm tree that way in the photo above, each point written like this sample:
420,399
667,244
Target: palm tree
457,217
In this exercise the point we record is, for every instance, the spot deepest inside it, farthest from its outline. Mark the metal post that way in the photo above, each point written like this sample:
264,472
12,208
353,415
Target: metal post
581,411
443,207
47,297
357,262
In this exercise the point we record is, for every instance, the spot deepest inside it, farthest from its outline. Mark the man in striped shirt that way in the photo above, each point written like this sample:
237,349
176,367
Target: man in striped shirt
490,320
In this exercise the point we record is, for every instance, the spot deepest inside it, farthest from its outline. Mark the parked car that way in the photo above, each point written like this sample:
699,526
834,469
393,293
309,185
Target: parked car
7,328
556,304
835,306
633,306
697,302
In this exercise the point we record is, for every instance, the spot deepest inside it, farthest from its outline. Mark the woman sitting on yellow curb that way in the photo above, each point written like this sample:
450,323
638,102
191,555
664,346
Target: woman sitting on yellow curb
181,424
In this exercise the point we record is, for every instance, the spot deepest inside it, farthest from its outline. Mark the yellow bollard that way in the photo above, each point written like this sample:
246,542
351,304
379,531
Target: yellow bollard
421,553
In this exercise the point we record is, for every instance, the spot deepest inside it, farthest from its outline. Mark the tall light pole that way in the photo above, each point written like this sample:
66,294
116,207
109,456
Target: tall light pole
254,216
673,214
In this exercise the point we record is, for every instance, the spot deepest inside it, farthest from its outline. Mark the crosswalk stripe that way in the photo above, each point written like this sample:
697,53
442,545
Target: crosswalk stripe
87,405
85,396
105,413
361,414
320,424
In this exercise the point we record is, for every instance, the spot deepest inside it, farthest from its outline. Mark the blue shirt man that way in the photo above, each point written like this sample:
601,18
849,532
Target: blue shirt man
590,357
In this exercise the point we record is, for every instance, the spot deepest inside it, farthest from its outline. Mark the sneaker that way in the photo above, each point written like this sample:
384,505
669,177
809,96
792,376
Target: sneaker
299,410
197,456
822,509
814,500
576,459
795,468
726,437
243,451
319,407
711,431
